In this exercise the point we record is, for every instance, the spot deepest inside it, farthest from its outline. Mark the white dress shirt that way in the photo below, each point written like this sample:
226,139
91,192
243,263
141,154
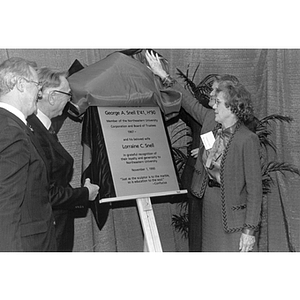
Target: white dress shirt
44,119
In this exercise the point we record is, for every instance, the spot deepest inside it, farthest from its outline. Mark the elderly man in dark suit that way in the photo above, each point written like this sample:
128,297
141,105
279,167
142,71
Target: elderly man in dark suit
26,219
64,198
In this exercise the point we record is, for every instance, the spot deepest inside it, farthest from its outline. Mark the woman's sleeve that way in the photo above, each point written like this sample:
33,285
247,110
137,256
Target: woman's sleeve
253,177
191,105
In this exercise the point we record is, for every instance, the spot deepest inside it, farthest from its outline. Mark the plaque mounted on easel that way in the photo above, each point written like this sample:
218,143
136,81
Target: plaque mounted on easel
140,161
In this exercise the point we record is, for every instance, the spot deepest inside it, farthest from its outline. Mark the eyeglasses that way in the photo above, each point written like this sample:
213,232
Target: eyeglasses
64,93
37,84
212,101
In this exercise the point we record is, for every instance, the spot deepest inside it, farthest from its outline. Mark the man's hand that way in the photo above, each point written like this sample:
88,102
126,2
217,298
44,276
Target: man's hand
93,189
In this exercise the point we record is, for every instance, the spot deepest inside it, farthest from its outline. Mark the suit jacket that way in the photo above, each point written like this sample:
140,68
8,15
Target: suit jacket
63,197
26,220
60,162
241,174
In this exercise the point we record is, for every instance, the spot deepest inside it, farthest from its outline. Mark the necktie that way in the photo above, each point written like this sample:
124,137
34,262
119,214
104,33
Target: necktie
52,132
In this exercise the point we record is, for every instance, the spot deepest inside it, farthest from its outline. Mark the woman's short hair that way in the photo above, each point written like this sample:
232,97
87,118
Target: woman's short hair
224,77
11,70
237,98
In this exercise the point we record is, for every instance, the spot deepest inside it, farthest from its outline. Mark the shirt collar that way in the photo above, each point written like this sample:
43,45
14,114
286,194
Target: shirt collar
226,132
44,119
230,129
14,111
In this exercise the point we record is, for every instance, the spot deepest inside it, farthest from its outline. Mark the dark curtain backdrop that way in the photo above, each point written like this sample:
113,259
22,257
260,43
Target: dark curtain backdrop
273,78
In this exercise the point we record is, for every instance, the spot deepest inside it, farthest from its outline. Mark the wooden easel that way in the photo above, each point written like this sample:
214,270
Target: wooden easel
151,236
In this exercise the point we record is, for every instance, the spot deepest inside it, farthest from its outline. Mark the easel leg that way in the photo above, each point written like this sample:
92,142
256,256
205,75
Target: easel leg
151,236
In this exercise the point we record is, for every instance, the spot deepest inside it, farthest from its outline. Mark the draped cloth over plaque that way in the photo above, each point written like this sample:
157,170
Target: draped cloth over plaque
120,79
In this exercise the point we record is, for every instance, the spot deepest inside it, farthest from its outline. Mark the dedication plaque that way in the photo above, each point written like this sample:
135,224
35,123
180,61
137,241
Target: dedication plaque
138,150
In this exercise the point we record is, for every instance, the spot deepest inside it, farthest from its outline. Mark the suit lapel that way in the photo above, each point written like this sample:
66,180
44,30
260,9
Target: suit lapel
37,146
15,118
29,133
55,144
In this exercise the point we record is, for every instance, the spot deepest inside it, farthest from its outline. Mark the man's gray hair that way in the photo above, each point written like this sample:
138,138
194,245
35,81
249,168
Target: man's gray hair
11,70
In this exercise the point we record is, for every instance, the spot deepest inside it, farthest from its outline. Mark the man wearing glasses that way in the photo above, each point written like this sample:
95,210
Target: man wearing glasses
55,94
26,219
